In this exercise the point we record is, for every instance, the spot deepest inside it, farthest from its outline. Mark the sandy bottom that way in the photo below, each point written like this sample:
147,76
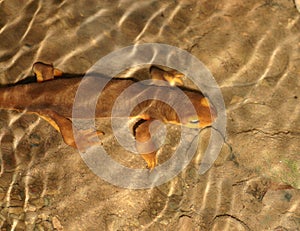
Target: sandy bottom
252,49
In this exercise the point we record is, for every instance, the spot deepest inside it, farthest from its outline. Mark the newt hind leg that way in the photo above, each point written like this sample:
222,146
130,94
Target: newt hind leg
45,71
85,138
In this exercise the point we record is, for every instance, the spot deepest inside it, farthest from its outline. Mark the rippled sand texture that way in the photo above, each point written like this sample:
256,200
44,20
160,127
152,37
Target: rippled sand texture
253,50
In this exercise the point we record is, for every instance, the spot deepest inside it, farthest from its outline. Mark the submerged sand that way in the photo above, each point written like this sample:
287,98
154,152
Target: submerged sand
252,49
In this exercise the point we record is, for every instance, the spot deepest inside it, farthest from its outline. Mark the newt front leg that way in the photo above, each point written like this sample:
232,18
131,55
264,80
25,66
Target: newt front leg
174,78
145,145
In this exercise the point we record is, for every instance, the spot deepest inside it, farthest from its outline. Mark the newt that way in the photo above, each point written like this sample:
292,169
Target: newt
52,95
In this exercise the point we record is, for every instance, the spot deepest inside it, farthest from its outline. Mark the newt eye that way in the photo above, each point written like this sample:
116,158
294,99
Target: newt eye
194,121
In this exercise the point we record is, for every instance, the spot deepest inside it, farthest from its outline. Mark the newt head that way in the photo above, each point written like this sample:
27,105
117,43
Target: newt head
205,112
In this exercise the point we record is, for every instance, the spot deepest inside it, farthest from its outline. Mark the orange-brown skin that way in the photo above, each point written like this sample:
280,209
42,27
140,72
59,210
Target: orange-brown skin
45,71
53,101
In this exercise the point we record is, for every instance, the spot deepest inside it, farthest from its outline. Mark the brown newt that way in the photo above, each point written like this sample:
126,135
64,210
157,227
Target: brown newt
52,99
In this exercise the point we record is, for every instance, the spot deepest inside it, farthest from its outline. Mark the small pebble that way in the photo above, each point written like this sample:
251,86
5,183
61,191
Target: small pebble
297,3
15,210
56,224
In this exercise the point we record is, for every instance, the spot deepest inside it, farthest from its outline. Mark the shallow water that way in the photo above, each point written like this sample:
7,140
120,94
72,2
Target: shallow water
251,48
